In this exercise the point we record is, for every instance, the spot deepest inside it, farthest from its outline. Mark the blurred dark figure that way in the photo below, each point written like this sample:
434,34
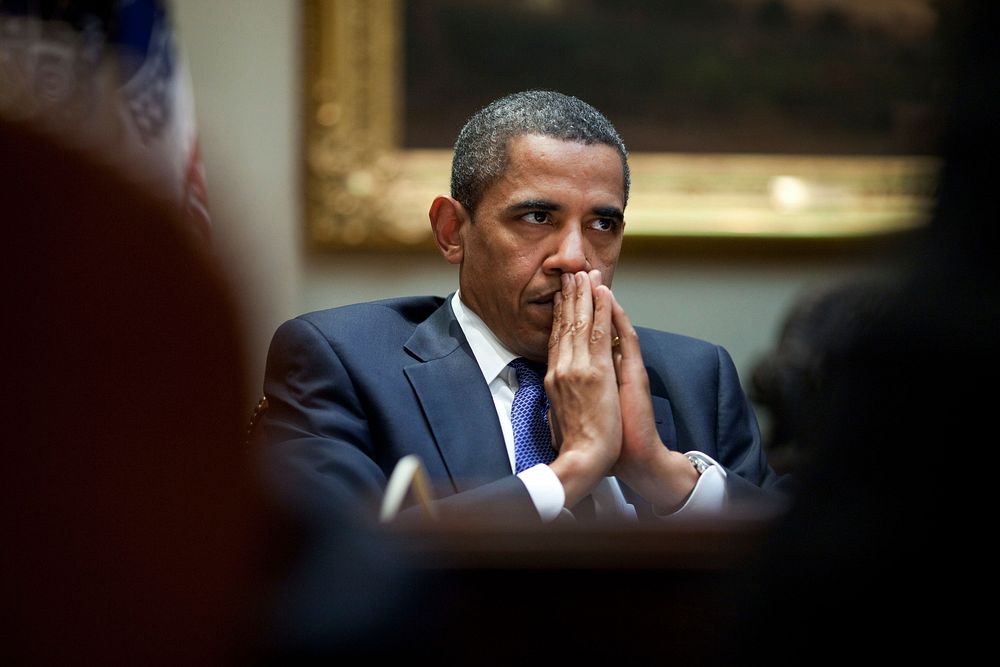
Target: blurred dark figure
787,382
886,545
132,529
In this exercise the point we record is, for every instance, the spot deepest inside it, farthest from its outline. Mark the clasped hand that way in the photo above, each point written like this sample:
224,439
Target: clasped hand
601,410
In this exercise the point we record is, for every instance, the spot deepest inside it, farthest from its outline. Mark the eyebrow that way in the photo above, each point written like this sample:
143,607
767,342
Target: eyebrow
533,205
545,205
609,212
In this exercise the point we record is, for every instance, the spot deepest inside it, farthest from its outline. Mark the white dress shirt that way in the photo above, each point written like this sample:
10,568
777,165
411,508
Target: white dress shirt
543,485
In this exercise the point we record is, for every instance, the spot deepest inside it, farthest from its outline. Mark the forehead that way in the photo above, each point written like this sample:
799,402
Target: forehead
538,160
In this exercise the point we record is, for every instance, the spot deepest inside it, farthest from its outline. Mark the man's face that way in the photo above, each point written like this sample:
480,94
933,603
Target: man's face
558,208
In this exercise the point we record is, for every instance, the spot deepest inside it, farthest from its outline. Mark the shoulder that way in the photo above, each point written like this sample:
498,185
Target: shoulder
684,358
404,312
362,324
655,342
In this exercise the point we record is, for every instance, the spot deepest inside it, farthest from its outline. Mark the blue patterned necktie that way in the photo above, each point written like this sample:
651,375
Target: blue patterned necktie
529,416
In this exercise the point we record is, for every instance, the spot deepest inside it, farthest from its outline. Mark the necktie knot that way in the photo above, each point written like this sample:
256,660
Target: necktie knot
530,417
528,372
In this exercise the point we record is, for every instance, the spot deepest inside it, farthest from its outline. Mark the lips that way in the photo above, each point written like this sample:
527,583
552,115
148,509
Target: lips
545,298
540,312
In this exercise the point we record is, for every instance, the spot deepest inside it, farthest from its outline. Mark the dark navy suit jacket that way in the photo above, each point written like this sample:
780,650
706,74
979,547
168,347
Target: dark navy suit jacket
352,390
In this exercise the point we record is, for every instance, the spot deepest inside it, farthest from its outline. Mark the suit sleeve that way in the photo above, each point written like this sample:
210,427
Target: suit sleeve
320,451
318,444
738,442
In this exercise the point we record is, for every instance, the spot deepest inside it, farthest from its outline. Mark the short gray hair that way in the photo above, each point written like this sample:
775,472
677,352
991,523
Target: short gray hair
480,156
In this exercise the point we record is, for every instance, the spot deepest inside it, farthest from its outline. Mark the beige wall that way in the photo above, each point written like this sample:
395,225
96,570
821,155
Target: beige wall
244,56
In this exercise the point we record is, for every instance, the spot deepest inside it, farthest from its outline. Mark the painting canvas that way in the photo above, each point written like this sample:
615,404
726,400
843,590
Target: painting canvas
764,120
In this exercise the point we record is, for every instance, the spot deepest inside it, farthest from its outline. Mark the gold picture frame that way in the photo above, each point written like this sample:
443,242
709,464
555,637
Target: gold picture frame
363,190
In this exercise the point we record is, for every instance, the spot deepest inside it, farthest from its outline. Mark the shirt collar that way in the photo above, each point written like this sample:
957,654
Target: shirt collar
490,353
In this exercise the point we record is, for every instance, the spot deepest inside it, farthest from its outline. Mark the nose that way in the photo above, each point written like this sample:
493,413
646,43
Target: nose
571,252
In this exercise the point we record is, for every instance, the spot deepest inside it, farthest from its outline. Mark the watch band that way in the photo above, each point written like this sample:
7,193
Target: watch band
699,463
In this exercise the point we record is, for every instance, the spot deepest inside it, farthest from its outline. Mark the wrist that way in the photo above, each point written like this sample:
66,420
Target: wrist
579,473
665,479
643,466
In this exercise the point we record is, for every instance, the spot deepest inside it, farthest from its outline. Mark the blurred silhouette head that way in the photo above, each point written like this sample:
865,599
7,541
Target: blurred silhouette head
788,380
129,517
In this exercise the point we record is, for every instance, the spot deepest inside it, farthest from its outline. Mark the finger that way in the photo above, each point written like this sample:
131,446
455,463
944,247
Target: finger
600,331
628,346
557,322
583,323
596,279
564,349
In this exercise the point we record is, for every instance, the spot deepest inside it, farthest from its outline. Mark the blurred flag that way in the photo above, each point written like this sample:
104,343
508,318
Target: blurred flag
108,74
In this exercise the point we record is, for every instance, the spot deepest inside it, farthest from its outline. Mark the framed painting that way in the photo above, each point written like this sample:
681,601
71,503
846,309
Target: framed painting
764,121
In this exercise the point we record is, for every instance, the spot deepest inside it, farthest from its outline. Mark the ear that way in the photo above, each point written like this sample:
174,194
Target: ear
448,216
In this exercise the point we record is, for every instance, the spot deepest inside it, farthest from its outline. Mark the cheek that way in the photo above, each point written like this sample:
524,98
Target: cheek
607,273
511,284
524,271
604,256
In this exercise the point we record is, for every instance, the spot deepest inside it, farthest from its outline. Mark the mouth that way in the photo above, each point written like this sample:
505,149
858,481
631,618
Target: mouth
545,299
540,313
542,305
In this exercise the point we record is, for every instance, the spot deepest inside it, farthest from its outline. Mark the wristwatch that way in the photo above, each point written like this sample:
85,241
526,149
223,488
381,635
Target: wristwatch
700,464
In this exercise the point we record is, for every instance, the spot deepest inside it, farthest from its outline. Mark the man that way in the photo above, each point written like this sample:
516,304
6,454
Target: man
642,423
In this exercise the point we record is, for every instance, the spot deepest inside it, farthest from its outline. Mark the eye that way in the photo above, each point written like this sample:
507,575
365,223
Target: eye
604,224
537,217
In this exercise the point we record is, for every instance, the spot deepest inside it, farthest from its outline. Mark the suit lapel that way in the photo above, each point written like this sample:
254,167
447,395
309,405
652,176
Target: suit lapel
456,402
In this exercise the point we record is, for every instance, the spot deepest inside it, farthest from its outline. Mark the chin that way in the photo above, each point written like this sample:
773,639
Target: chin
532,340
537,352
